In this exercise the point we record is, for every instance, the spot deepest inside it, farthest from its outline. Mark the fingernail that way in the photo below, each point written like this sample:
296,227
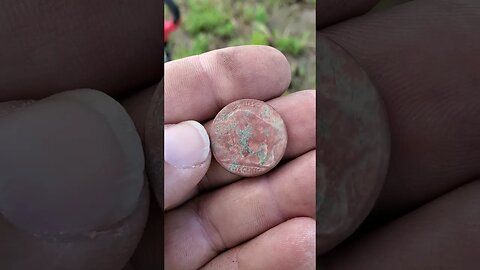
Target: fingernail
71,163
186,144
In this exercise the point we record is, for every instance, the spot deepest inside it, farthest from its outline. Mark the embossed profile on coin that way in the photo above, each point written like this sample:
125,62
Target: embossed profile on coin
248,137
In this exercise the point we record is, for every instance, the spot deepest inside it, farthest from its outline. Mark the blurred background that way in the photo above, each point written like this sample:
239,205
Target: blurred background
288,25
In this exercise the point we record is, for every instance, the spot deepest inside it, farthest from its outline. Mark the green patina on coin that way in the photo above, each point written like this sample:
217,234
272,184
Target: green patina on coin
249,137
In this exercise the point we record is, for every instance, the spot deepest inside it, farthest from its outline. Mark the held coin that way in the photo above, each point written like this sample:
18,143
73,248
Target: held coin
248,137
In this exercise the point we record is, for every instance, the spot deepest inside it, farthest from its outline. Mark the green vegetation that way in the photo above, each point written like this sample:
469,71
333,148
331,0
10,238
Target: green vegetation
225,30
211,24
288,25
204,16
256,13
260,34
291,45
200,44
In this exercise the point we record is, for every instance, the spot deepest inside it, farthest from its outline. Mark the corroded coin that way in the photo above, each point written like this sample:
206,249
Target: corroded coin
248,137
355,145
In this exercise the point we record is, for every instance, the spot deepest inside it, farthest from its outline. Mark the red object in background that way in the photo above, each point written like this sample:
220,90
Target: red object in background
168,27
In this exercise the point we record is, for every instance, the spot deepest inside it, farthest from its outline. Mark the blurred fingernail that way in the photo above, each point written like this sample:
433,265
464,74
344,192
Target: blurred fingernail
71,163
186,144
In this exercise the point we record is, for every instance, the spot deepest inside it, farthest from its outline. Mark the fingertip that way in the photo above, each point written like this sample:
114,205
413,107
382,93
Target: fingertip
259,63
181,183
72,191
187,157
186,144
70,163
207,82
279,62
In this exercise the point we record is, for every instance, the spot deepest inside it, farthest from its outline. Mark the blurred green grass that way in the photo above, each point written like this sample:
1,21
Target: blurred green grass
286,25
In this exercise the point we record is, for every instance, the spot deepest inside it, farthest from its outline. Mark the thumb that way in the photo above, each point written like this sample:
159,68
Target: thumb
187,158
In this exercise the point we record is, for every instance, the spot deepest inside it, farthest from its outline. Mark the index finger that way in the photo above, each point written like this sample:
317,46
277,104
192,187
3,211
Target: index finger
197,87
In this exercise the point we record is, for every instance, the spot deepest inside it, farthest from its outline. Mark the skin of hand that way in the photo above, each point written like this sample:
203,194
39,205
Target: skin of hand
423,57
225,228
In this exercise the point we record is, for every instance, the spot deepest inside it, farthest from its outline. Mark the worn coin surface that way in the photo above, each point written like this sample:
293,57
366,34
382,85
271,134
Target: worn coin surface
248,137
354,140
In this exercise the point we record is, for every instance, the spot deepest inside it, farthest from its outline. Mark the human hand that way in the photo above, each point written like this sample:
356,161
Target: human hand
423,57
72,190
263,222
